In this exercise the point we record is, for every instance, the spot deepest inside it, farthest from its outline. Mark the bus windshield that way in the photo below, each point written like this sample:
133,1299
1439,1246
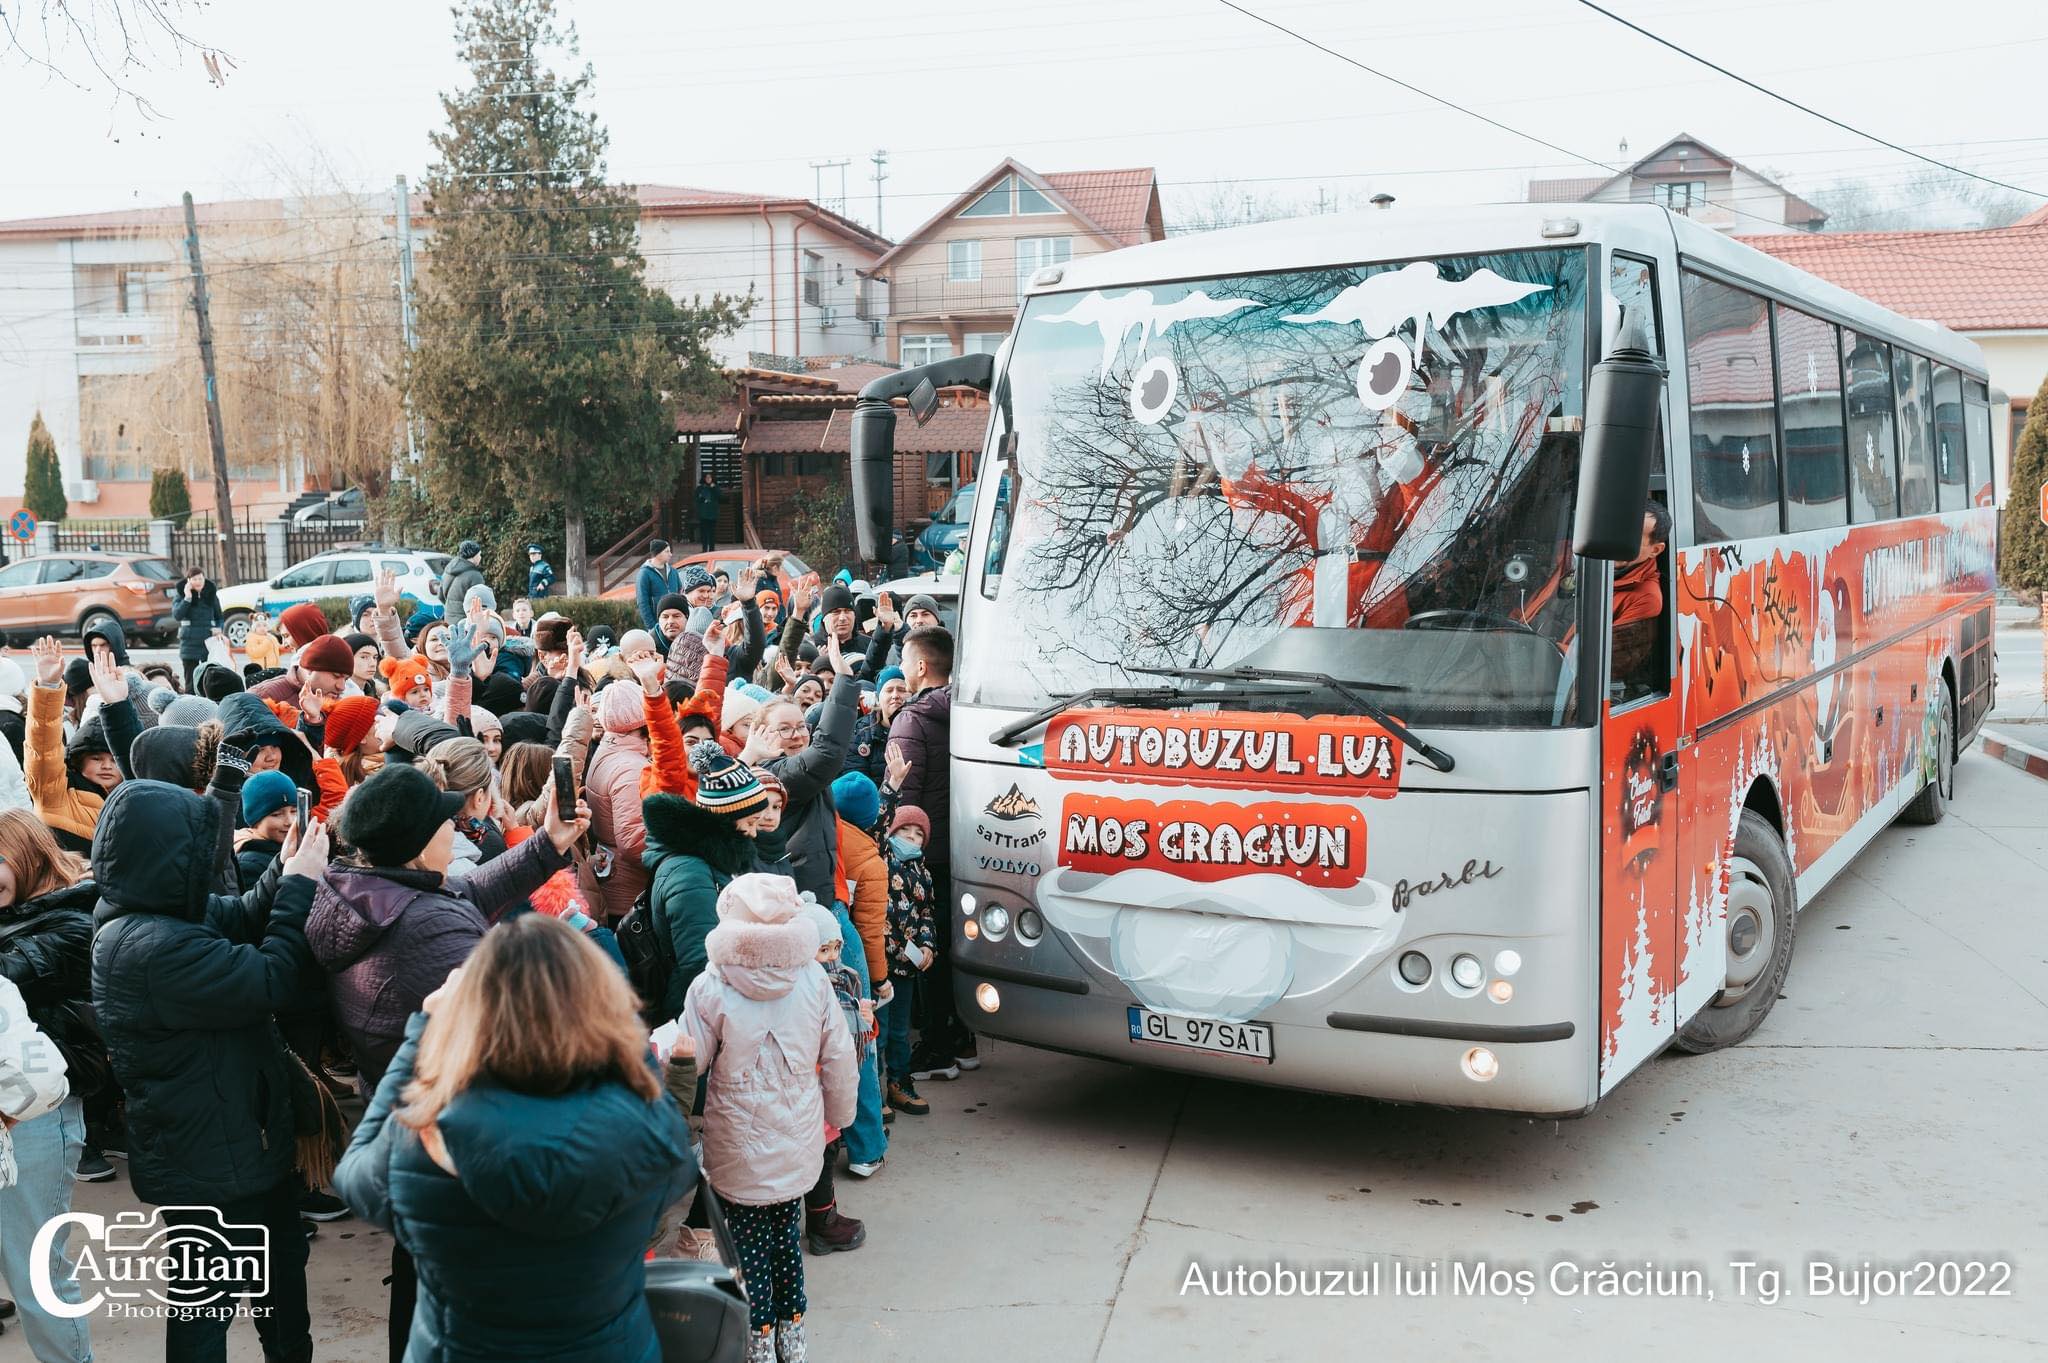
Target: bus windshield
1366,472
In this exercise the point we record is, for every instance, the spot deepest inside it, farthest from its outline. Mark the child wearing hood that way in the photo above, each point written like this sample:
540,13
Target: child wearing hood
778,1064
826,1231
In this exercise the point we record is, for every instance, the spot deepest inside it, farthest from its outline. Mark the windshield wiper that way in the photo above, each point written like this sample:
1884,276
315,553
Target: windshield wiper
1353,691
1130,695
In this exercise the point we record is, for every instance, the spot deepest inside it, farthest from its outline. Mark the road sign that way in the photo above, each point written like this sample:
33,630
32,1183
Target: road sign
22,524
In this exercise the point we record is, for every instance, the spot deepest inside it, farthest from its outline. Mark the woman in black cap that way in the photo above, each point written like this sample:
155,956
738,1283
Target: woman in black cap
387,927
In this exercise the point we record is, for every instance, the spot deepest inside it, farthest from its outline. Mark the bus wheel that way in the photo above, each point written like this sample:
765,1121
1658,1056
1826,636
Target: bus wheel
1762,901
1932,801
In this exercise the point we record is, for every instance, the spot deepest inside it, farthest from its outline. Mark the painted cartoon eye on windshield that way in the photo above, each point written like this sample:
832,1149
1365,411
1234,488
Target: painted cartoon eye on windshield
1156,384
1415,293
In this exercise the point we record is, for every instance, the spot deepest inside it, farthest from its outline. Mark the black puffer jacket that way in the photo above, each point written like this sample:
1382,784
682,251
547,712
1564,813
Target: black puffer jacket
184,984
46,950
197,617
247,723
810,823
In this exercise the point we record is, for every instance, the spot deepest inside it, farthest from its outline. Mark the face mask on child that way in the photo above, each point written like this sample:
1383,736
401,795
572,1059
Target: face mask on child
903,849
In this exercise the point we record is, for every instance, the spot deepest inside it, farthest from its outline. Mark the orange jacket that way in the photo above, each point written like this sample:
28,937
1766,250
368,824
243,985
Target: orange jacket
668,765
861,862
77,812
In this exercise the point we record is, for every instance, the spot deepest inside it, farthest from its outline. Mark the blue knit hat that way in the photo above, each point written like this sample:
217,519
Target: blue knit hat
857,800
695,575
264,793
887,675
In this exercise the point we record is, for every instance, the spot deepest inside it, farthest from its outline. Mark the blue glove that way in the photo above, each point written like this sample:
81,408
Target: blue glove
461,647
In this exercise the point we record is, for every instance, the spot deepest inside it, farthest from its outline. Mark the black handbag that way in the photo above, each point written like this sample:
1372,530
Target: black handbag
650,956
700,1308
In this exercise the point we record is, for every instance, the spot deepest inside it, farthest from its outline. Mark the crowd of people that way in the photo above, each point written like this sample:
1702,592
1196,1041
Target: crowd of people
588,923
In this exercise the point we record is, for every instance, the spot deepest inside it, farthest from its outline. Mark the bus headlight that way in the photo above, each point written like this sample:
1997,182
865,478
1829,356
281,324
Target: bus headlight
1479,1064
1030,925
995,921
1467,972
1414,968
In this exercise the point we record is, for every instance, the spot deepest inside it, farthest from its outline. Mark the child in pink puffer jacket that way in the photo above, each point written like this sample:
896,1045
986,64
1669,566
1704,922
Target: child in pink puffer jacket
778,1065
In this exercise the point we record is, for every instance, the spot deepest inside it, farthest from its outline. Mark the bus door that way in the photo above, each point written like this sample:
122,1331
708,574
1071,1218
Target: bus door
1638,804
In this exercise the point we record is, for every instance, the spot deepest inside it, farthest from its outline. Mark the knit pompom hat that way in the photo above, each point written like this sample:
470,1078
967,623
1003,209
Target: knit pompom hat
159,697
622,707
304,622
190,711
696,575
349,721
771,784
725,785
738,706
825,922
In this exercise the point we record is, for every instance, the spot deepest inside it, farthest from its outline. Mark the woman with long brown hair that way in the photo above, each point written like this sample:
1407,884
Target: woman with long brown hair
46,903
522,1149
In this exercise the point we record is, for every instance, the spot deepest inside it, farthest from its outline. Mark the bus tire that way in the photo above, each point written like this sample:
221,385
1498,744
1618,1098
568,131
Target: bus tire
1763,904
1933,800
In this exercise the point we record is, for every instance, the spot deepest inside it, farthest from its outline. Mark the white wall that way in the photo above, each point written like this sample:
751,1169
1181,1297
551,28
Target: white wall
38,368
732,253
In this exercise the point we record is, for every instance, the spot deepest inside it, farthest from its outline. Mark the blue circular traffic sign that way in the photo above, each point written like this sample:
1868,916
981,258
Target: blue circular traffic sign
22,524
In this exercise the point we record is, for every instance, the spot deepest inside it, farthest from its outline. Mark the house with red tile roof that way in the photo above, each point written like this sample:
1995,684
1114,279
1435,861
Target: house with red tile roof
1990,285
1688,176
953,282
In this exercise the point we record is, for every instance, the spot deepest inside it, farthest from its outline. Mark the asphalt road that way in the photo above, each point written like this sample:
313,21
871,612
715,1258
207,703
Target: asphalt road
1889,1110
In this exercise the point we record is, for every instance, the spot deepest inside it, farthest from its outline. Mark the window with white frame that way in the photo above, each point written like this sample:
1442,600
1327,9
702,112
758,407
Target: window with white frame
1035,253
982,342
994,203
814,278
963,261
924,348
1032,202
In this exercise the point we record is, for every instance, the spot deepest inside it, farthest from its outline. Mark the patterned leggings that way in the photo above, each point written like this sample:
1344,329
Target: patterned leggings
770,1241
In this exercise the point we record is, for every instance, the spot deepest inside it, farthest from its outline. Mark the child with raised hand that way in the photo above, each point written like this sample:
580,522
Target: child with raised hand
778,1064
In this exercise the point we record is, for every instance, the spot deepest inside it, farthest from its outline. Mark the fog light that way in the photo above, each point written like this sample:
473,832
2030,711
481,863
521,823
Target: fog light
970,929
1500,991
1507,962
1030,925
1466,972
1414,968
1479,1063
985,995
995,921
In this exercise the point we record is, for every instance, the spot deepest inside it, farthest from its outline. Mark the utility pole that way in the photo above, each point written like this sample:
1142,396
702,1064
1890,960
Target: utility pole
818,169
881,159
223,501
407,331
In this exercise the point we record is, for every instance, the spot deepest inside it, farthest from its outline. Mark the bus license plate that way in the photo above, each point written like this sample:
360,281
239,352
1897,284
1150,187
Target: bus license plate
1249,1040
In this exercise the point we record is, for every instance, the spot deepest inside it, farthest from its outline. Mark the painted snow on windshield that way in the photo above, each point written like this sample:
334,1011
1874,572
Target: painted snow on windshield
1116,318
1416,293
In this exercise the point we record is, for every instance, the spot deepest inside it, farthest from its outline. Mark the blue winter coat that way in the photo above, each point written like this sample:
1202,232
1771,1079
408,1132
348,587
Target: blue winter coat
534,1248
652,585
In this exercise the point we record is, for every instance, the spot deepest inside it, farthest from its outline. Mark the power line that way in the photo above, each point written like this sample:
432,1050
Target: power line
1803,108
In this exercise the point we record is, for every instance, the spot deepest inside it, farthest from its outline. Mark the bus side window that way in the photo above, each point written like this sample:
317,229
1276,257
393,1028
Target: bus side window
1873,433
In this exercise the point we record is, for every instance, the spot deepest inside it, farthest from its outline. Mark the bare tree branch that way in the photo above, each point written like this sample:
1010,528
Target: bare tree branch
105,44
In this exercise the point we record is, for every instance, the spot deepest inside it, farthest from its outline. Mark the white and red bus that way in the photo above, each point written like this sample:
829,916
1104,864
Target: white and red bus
1299,734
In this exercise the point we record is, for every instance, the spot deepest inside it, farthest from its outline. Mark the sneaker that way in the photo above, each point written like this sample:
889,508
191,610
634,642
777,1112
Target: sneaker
315,1205
931,1065
93,1166
6,1309
903,1097
964,1055
111,1139
828,1232
309,1228
888,1115
864,1168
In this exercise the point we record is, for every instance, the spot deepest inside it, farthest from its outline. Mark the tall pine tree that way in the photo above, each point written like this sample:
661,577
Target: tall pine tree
43,486
548,372
2023,539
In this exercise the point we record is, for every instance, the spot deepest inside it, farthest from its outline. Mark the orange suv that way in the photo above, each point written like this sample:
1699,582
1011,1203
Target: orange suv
64,592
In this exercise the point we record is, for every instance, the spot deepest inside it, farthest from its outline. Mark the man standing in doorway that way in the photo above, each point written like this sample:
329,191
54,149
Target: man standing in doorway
708,497
657,579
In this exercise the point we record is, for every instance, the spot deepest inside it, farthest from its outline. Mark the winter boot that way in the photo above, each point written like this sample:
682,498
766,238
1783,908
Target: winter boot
827,1232
761,1346
790,1344
903,1096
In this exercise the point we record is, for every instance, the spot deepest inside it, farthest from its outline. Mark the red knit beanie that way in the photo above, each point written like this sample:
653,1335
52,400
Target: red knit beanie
910,816
349,721
305,622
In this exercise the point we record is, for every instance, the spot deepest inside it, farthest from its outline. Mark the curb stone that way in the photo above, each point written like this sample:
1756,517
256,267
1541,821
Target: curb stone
2014,753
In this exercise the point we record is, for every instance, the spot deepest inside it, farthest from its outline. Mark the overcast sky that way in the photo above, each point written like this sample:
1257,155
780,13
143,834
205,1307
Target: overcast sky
736,96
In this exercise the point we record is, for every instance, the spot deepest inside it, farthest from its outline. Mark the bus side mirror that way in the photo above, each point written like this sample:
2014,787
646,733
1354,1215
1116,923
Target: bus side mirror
872,459
1623,396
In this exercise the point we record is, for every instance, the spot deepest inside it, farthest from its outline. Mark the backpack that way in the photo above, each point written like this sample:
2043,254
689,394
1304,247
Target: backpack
650,954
